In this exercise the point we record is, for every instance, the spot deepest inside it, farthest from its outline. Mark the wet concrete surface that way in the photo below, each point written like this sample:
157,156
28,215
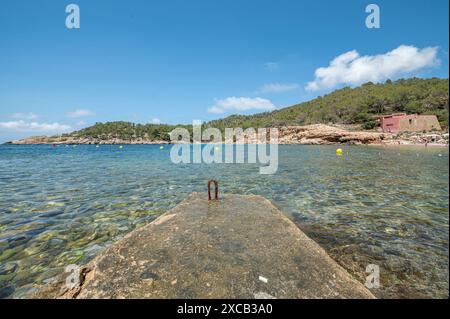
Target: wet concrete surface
238,247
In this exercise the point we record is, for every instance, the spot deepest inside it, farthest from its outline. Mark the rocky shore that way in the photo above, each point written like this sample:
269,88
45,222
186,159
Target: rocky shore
316,134
414,138
321,134
74,140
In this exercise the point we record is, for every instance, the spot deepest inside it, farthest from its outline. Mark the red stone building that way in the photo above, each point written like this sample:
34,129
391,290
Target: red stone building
402,122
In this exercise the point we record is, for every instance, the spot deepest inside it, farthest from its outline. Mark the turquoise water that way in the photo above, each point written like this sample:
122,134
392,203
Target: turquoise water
386,206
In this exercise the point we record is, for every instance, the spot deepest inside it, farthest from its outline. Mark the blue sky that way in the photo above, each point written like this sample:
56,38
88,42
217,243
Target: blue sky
175,61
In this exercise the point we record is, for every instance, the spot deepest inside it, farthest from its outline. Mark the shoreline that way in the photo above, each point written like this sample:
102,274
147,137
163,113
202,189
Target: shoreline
315,134
432,145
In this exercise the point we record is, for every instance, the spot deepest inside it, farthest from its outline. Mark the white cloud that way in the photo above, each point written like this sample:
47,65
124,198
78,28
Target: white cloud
24,116
22,126
80,113
278,88
271,66
352,69
240,104
156,121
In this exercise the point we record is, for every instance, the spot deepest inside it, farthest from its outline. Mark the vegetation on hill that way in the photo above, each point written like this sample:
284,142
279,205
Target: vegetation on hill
359,105
126,131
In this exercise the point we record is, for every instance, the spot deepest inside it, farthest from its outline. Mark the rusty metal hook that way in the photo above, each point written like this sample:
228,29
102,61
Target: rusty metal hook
216,189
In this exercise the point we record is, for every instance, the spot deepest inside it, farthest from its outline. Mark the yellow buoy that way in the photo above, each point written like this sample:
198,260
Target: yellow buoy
339,152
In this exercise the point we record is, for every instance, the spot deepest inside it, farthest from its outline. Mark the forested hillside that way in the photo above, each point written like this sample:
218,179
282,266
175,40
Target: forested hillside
359,105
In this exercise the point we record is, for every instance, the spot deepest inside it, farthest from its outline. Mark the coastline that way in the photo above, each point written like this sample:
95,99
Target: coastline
405,145
316,134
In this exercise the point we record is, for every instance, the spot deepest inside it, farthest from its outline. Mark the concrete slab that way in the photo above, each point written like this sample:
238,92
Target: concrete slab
238,247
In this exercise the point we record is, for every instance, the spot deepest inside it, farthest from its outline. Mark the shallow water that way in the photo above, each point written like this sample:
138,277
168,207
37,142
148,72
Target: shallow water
386,206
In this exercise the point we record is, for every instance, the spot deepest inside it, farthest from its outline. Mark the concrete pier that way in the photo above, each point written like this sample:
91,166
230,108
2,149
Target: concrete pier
236,247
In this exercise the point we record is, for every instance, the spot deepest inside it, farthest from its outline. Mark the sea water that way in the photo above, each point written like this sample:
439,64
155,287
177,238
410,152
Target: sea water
374,205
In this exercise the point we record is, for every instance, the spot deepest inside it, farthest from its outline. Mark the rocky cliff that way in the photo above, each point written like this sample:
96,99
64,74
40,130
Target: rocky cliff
320,134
